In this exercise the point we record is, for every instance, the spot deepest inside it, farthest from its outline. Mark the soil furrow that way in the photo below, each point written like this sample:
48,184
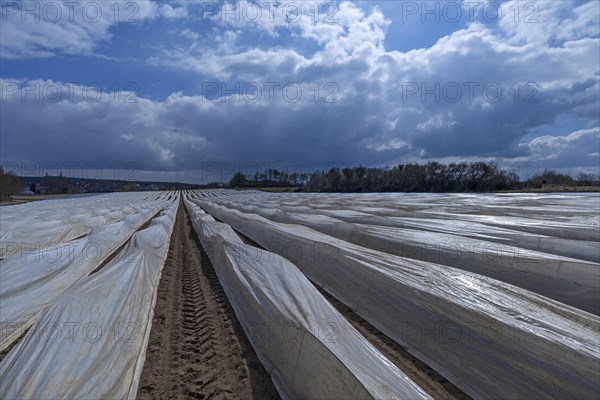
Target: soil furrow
197,348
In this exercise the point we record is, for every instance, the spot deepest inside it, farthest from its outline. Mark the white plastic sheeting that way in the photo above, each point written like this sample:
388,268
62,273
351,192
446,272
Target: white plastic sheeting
491,339
571,281
580,249
30,281
310,350
37,225
568,216
90,343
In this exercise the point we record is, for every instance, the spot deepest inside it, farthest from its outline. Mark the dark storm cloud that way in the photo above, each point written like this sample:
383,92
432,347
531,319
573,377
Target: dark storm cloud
360,104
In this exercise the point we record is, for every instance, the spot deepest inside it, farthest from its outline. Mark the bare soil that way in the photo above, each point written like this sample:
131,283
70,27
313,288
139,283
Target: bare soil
197,348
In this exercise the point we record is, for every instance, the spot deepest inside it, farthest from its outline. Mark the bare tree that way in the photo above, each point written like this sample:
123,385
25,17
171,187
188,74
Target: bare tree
585,179
9,184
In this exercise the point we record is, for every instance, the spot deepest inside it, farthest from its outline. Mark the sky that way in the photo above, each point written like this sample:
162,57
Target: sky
195,91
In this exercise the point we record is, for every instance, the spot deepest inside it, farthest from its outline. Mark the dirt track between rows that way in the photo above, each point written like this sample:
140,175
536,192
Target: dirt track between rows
197,348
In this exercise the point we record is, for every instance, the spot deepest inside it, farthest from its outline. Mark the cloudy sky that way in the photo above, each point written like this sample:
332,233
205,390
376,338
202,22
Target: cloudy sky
192,91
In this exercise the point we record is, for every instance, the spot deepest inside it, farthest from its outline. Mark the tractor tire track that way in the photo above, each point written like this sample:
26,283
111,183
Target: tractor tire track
197,348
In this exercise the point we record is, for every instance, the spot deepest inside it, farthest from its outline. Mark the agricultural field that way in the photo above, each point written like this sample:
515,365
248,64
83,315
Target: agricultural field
264,295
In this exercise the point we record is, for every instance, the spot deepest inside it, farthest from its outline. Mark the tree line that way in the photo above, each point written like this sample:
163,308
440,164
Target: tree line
412,177
12,184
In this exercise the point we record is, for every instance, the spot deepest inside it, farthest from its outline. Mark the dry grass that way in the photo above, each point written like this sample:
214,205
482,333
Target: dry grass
21,198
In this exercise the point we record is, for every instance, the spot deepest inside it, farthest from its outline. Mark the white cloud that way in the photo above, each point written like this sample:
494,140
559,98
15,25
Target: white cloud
170,12
544,21
44,28
191,35
390,145
574,149
375,118
537,83
436,122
